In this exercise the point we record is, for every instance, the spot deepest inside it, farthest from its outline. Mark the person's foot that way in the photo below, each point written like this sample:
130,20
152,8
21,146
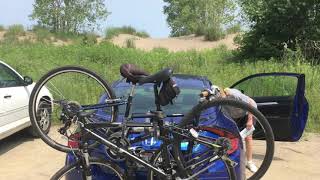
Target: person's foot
250,165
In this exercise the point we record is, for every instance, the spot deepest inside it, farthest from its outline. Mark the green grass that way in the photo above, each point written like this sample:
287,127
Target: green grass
115,31
89,39
44,34
220,65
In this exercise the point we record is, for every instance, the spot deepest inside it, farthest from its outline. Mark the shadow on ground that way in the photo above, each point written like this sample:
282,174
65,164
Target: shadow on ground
14,140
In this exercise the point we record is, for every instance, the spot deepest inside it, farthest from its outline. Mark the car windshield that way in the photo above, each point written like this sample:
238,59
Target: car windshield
143,100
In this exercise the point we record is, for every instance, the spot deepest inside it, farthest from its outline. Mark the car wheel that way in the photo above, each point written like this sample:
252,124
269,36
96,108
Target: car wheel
43,118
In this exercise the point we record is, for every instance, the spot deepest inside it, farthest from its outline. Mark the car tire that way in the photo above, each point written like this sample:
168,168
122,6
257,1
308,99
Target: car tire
44,115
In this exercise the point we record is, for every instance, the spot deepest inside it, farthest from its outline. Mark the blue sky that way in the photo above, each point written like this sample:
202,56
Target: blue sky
142,14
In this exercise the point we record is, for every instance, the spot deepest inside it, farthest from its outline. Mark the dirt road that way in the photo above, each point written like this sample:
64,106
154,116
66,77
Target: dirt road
25,158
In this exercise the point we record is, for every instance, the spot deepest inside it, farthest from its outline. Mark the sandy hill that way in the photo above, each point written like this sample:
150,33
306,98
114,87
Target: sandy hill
31,37
174,43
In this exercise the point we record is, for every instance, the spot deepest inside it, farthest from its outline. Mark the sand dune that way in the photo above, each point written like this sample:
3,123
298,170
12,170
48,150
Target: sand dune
175,43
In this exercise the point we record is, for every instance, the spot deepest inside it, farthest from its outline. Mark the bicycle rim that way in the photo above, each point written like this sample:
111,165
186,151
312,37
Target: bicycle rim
77,86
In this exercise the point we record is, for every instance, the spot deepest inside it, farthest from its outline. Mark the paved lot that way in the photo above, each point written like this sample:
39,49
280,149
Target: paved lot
25,158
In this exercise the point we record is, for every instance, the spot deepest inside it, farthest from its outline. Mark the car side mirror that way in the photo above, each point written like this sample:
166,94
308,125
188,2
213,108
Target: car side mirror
27,80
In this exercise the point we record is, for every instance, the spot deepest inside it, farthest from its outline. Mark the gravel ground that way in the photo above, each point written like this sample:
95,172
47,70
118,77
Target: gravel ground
23,157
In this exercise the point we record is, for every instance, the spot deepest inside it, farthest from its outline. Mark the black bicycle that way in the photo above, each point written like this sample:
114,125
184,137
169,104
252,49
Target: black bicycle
77,116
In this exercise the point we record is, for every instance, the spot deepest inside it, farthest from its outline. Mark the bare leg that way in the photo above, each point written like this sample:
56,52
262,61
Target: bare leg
249,147
249,151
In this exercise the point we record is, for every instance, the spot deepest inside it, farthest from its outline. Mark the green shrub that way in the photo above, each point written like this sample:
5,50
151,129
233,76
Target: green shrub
42,33
128,30
89,39
274,23
214,34
15,30
115,31
111,32
2,28
65,36
200,31
142,34
130,43
236,28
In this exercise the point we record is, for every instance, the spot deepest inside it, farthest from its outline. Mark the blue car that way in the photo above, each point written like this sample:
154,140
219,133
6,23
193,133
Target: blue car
215,124
143,101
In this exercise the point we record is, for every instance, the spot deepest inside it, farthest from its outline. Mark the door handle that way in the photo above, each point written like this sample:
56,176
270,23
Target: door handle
267,103
7,96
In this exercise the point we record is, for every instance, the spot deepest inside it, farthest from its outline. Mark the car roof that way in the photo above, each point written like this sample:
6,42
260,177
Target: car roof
183,80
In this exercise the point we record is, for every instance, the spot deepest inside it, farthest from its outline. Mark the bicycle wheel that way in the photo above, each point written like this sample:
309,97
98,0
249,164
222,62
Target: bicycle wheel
76,87
99,168
220,112
214,168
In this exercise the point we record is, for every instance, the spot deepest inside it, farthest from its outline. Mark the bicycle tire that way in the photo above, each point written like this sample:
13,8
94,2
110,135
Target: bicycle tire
40,84
188,119
157,154
92,161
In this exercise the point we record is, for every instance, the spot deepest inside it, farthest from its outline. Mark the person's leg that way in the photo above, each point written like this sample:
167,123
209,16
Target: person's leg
249,151
249,147
241,123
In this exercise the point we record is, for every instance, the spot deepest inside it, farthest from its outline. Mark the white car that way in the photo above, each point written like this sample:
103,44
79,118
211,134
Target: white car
15,91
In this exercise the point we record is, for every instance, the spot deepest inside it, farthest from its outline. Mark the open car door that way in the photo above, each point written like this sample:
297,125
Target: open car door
281,98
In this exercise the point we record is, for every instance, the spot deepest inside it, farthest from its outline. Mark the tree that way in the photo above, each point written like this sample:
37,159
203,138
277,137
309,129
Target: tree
69,15
279,24
196,16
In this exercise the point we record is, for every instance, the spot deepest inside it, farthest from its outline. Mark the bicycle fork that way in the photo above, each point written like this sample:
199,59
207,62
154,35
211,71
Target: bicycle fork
86,165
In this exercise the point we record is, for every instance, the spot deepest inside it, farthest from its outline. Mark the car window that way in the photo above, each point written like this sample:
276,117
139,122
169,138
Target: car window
269,86
143,100
8,78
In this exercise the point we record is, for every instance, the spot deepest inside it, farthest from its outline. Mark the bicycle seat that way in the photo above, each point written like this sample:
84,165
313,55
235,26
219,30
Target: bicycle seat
137,75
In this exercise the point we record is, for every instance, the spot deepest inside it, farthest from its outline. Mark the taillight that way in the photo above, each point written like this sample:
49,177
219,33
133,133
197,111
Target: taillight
73,140
234,145
223,133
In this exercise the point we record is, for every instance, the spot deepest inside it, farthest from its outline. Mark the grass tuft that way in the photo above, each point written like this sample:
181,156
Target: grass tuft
15,30
115,31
